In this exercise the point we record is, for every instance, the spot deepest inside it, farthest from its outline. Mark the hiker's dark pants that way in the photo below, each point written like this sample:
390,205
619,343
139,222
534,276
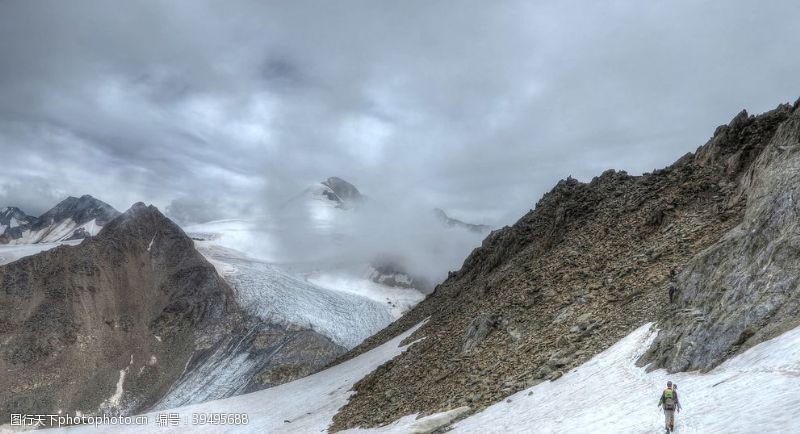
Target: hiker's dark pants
669,418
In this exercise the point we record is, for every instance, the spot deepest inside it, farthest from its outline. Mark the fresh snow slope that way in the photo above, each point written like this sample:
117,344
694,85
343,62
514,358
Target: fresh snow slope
755,392
61,231
302,406
10,252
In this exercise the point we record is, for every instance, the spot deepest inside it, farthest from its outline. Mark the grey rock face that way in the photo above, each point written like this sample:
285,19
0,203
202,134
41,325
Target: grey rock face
480,328
745,288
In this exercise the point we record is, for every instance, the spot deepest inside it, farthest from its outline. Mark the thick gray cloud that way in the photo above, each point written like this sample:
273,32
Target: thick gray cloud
472,106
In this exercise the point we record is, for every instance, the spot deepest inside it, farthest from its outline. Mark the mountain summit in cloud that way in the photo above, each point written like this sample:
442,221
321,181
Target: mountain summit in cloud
341,191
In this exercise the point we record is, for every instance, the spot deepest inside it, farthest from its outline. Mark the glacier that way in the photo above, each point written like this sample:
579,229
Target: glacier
330,299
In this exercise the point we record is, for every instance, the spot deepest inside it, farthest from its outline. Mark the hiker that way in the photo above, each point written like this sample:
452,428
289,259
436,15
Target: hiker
669,400
672,288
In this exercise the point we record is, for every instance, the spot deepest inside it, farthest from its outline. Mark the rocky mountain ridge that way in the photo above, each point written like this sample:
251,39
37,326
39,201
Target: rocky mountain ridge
592,262
132,318
71,219
11,217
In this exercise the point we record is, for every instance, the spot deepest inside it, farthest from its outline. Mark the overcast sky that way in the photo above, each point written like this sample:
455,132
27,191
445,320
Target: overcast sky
475,107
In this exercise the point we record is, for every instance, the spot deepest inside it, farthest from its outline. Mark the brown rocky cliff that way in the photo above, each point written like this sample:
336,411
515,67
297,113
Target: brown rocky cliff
132,318
587,266
123,305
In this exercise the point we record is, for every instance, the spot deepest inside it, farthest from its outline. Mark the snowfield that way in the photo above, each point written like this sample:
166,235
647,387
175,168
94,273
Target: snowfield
11,252
755,392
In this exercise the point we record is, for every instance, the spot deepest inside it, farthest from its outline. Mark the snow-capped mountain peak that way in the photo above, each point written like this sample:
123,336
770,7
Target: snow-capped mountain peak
11,217
71,219
81,210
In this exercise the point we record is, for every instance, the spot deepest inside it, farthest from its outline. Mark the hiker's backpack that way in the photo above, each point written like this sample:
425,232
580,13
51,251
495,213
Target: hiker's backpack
669,399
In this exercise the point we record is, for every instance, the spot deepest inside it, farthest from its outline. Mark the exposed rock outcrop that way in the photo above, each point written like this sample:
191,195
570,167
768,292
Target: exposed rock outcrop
745,288
590,264
480,328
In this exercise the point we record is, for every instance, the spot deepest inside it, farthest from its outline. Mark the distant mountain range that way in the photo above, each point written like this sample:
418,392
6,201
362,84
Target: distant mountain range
72,219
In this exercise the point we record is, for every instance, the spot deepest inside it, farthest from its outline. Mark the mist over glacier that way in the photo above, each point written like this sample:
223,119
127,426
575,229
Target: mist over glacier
403,233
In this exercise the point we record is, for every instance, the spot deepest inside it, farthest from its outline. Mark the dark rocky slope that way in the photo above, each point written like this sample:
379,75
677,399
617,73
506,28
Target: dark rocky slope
111,324
591,263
